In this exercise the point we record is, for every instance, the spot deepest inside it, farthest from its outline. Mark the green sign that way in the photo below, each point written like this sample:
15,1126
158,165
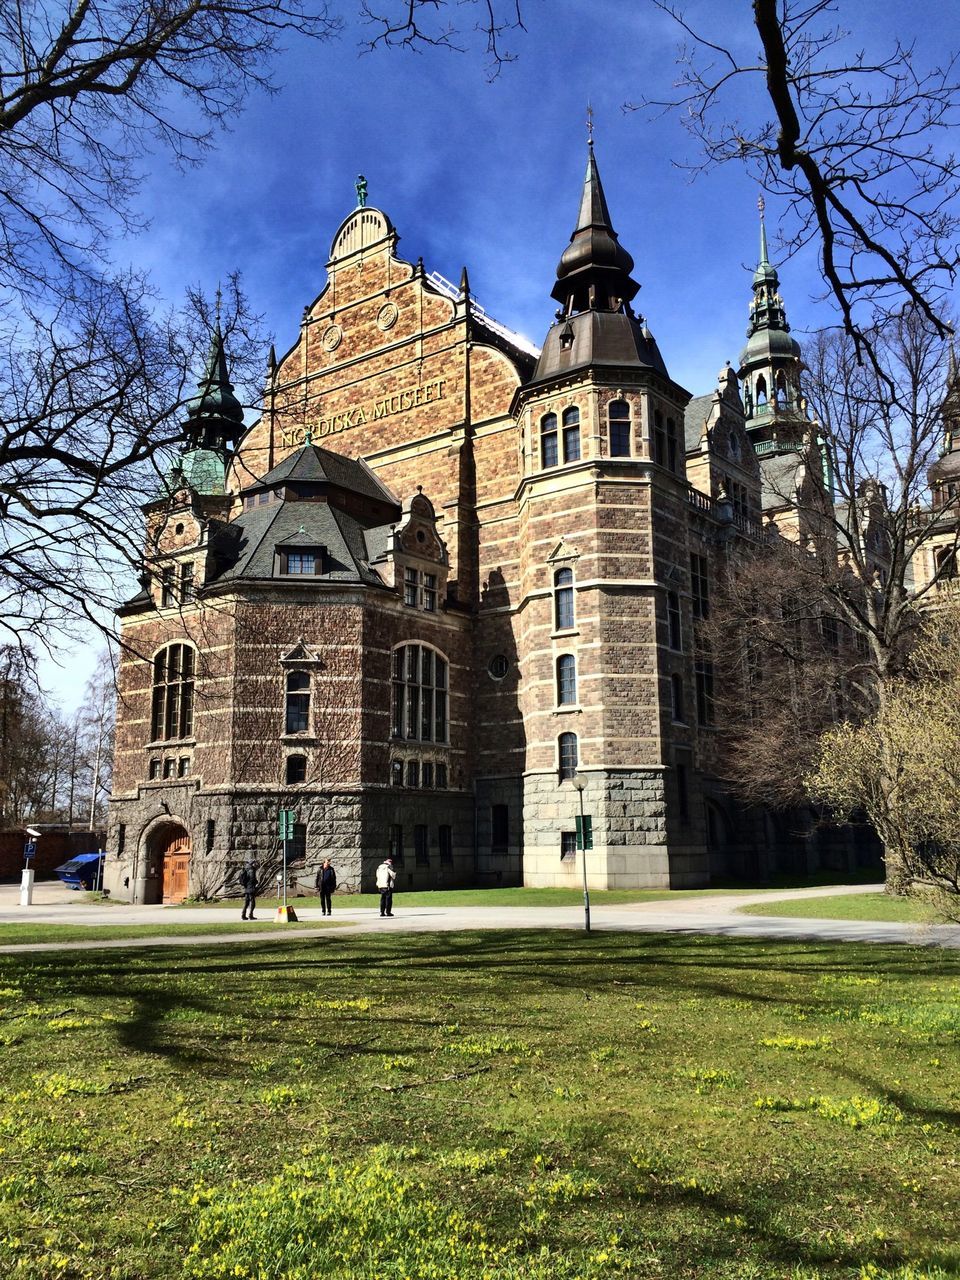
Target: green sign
585,832
285,821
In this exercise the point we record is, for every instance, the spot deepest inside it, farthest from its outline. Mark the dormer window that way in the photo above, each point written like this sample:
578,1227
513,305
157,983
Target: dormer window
420,590
299,562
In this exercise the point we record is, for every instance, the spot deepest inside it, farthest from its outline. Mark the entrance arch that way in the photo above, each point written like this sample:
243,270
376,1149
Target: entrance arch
167,876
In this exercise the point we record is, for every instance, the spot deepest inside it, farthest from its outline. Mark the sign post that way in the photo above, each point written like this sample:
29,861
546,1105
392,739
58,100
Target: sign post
584,842
26,879
285,821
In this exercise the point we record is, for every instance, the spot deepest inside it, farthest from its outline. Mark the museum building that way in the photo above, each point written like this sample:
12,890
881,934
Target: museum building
448,587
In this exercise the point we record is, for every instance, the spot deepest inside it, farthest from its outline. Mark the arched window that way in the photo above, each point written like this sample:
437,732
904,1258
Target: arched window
676,698
781,390
173,669
563,606
548,440
618,418
566,680
298,702
296,769
568,755
571,435
419,694
761,391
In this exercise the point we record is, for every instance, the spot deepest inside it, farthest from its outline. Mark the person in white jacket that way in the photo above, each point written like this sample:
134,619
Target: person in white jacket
386,879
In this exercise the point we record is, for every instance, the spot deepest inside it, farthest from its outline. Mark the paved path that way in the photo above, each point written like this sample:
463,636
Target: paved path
704,914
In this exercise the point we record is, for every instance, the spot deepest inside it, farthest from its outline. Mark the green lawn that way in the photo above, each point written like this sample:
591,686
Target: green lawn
854,906
502,1106
13,933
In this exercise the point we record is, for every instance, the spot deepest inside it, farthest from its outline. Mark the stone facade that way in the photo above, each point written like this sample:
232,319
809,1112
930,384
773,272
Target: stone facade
443,575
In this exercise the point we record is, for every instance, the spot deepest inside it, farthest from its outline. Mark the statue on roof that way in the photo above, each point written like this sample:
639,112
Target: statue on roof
361,191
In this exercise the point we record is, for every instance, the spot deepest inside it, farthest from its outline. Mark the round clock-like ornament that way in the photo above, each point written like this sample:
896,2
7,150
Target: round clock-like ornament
332,337
387,316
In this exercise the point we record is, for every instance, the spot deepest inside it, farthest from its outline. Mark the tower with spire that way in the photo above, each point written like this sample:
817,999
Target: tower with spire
214,422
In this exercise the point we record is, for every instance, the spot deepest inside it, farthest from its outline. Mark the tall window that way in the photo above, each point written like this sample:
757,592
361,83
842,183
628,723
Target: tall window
296,769
563,599
659,439
699,586
168,593
569,758
548,440
173,669
571,435
298,702
396,845
186,582
618,418
568,846
672,444
421,846
445,835
673,620
499,827
676,698
419,694
704,676
566,680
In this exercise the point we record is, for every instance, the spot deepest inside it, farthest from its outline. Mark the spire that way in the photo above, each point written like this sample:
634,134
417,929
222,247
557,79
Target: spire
464,284
214,415
594,272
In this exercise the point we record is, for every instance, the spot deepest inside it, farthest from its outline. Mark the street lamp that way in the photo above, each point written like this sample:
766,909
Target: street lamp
580,782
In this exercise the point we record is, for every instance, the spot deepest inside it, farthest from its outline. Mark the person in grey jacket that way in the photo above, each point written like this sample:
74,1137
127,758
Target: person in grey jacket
386,879
248,883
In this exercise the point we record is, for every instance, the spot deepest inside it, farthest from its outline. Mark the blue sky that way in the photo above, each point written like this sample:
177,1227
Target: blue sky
488,175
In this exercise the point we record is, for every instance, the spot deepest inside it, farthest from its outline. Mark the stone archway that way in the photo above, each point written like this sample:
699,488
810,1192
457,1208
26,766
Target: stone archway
167,870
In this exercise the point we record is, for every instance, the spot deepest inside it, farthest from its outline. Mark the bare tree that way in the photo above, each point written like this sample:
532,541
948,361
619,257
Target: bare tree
855,145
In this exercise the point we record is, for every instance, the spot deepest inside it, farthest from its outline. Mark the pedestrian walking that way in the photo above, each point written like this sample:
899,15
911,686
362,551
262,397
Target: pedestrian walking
386,879
326,884
248,883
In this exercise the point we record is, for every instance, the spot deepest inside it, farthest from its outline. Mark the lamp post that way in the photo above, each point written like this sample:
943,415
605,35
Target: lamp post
580,782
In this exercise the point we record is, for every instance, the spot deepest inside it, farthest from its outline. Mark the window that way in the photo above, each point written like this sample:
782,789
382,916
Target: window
413,773
167,591
210,835
704,676
420,590
569,759
396,773
830,630
121,839
699,586
396,845
673,621
186,582
548,440
183,767
499,828
659,439
426,775
298,702
618,417
571,435
563,609
155,765
672,444
419,694
499,666
568,846
296,769
566,680
445,835
168,766
173,669
761,390
676,698
297,844
421,847
304,561
440,772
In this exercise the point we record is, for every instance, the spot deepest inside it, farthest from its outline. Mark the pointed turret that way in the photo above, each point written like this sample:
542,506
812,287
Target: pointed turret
214,415
595,325
770,363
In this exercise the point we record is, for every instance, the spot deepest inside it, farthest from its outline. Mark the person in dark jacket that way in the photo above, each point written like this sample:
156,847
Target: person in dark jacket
326,883
248,883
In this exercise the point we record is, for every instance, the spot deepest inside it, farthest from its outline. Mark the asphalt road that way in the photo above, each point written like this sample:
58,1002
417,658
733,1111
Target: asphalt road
703,914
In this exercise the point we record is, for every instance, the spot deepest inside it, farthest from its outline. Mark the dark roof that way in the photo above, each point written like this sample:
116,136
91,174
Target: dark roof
599,338
694,417
246,547
314,465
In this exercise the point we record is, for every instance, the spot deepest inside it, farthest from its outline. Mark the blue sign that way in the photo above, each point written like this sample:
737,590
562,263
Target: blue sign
30,848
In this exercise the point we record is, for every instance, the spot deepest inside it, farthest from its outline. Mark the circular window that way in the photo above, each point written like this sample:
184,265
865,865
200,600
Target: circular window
499,666
421,536
387,316
332,337
178,528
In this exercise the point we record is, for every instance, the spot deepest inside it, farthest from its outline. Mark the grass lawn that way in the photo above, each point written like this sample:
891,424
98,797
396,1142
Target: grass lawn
13,933
855,906
501,1105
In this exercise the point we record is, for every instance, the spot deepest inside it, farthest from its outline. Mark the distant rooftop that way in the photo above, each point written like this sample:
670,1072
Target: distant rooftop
452,291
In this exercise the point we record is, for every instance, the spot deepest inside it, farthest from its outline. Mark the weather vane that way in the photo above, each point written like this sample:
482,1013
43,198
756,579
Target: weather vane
760,204
219,300
590,124
361,191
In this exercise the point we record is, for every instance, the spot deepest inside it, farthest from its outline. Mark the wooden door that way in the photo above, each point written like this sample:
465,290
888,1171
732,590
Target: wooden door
176,869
